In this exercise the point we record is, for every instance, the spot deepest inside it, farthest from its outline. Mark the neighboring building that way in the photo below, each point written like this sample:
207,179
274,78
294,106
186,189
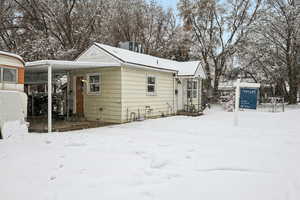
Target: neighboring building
11,72
116,85
13,101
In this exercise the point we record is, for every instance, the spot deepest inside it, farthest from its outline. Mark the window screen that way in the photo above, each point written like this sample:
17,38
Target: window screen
151,81
94,83
10,75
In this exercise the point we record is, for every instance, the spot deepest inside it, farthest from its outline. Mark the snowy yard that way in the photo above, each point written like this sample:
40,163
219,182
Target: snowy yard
172,158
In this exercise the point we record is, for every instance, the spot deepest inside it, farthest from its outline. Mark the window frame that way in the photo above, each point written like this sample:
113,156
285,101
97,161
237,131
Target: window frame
2,75
89,92
154,93
193,90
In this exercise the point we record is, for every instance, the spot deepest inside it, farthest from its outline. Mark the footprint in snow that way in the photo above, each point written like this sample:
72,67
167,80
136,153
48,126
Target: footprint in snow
158,163
52,178
172,176
148,194
48,142
75,145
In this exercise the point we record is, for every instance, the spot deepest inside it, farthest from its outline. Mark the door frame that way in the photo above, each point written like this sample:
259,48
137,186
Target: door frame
75,93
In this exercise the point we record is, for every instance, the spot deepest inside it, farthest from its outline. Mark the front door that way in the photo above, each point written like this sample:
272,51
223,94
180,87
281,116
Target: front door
79,95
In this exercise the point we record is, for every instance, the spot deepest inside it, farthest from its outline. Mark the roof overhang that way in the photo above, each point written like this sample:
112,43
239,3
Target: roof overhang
149,67
62,65
15,56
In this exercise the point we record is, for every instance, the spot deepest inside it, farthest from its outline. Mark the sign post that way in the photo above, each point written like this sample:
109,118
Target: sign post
237,102
245,97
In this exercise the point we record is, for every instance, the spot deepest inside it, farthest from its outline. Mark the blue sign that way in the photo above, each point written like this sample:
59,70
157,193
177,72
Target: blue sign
248,98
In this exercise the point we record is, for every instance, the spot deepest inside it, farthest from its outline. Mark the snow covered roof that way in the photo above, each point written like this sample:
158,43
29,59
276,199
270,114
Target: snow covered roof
62,65
183,68
12,55
190,68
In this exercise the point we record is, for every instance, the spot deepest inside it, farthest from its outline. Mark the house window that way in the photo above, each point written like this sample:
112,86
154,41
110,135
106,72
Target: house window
9,75
93,86
191,89
195,89
151,85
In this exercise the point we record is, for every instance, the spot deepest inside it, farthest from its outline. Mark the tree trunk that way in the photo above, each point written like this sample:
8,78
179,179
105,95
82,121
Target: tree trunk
293,90
216,89
292,81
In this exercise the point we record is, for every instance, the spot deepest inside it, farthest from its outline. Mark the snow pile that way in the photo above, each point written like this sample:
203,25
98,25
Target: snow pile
13,129
172,158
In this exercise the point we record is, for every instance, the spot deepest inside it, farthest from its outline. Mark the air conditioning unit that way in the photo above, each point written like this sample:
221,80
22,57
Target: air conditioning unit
131,46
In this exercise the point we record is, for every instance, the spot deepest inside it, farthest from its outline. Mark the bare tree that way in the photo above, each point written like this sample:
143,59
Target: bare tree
218,28
280,28
8,27
272,46
57,29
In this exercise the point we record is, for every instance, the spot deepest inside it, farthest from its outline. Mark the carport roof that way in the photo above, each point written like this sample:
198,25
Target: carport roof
63,65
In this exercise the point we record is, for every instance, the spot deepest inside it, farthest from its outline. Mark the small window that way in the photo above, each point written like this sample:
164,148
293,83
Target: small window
189,85
195,89
93,85
191,89
151,85
9,75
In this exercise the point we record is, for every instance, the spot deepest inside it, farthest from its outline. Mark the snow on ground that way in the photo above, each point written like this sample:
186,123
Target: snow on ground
170,158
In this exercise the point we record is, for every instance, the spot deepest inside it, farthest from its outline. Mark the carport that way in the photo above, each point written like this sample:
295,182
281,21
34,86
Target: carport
60,66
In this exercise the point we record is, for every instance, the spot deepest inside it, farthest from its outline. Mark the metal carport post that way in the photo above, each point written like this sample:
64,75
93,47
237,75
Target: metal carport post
49,98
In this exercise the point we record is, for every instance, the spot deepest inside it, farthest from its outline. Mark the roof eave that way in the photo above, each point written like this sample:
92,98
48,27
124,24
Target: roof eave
13,56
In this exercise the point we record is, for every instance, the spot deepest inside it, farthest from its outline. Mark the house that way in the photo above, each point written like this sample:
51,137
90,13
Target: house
13,101
116,85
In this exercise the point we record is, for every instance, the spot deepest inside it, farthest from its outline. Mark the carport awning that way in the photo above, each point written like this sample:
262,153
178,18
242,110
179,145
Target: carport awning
62,65
51,66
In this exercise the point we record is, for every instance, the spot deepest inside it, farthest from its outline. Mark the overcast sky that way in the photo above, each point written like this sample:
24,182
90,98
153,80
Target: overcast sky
168,3
171,4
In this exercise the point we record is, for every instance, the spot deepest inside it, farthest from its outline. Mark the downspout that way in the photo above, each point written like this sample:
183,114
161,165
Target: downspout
174,76
1,78
198,92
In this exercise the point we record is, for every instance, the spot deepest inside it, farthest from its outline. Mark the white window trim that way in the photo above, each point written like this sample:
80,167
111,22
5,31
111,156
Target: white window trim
2,75
192,88
88,83
155,85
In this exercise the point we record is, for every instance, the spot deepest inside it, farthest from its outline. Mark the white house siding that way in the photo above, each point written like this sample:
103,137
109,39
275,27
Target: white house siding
182,93
94,54
109,99
134,92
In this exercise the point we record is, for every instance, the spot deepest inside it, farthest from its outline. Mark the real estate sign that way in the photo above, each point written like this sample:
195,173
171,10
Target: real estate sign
245,97
248,98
